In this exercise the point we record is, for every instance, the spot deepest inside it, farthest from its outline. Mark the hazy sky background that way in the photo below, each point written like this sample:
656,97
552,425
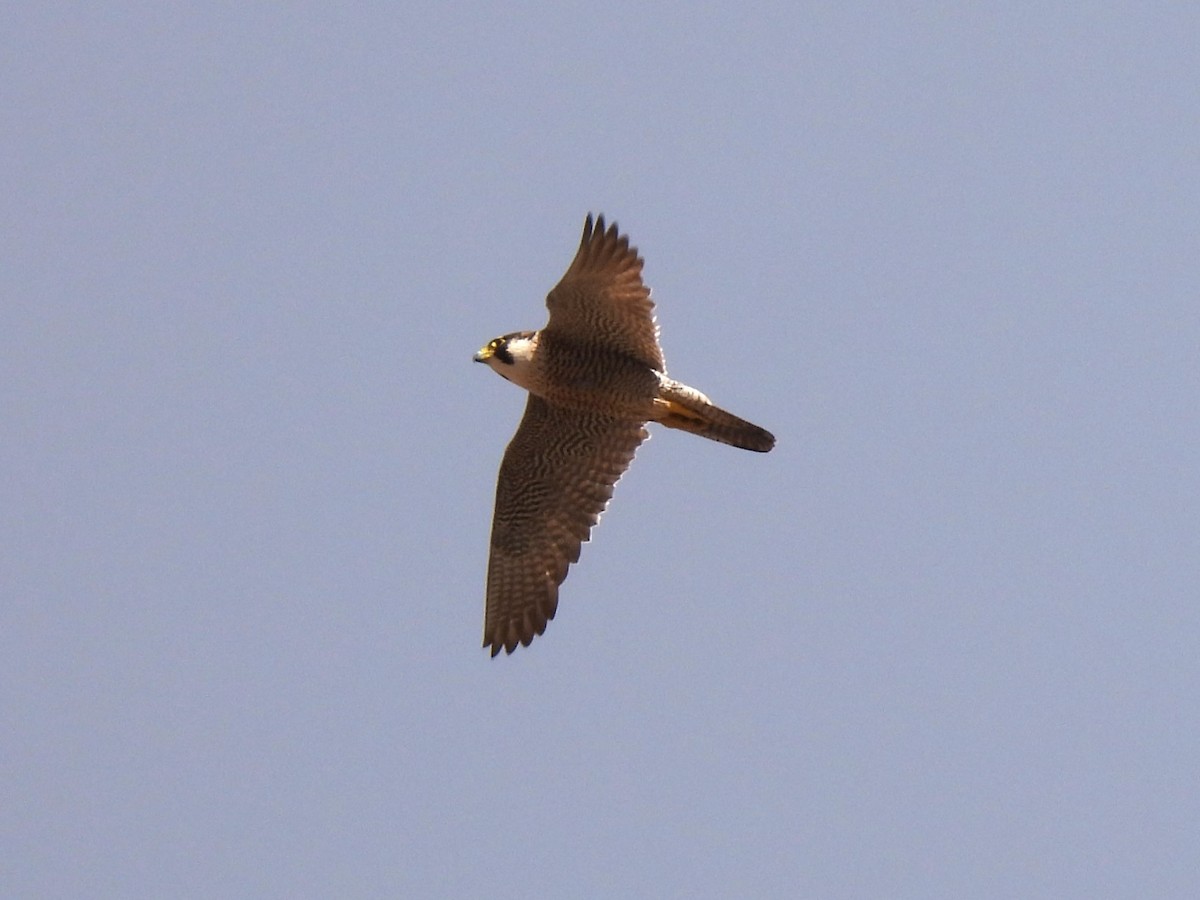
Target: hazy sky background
944,641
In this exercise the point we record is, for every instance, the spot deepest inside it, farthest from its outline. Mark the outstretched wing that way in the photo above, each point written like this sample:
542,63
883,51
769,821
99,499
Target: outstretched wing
556,478
601,300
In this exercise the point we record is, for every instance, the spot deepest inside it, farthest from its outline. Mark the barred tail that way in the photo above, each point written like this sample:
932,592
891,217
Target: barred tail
687,409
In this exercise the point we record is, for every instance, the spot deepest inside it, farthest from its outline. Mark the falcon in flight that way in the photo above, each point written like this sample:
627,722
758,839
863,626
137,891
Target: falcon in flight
595,377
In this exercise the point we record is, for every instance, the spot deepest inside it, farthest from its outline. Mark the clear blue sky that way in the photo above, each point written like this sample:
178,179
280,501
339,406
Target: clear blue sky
942,642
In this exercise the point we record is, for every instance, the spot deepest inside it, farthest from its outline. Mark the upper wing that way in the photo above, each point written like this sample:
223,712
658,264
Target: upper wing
556,478
601,299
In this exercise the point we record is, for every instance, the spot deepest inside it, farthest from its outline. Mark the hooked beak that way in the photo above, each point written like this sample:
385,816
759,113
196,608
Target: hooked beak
483,355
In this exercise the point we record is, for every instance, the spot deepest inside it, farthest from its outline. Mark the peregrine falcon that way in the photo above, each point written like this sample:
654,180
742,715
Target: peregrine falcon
595,377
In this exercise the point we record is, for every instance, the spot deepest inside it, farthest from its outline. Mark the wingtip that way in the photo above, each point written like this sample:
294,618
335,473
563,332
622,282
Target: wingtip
595,225
496,647
517,636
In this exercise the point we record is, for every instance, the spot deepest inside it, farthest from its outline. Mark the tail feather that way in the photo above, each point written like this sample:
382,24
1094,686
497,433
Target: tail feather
687,409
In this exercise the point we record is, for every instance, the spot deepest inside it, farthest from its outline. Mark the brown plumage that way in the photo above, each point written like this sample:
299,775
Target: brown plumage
595,377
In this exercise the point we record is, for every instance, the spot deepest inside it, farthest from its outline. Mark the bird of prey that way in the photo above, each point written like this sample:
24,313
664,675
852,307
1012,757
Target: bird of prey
595,377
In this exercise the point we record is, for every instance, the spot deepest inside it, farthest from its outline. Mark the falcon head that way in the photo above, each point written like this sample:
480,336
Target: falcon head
511,356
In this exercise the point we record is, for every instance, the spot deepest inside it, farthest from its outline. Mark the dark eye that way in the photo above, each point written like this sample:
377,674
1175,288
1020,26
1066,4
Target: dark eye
500,347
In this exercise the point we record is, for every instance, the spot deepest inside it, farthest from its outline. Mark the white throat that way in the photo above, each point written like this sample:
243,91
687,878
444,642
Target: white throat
522,370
